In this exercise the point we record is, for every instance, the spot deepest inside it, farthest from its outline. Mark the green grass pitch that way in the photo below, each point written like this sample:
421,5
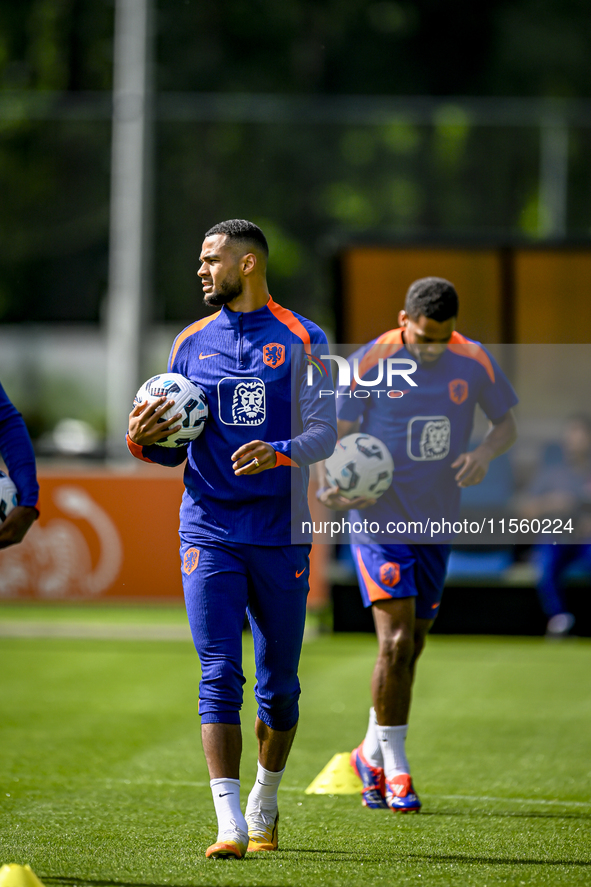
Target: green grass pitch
102,777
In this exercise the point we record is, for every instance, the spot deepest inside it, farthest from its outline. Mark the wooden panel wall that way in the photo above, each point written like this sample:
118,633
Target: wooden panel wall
507,294
376,280
553,295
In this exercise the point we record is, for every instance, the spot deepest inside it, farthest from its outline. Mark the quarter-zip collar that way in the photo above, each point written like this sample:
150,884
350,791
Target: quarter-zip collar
233,317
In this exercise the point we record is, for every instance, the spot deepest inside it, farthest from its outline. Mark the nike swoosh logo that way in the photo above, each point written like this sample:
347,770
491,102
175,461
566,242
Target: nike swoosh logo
202,356
300,573
225,793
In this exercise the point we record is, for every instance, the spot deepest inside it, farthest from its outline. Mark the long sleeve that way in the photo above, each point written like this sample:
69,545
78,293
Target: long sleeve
168,456
17,452
313,409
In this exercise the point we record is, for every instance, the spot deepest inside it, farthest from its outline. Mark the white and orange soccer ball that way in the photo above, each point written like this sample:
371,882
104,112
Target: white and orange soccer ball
189,400
8,496
361,465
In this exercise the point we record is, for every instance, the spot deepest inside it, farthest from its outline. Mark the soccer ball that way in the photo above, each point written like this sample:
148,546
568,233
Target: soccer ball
361,465
189,400
8,496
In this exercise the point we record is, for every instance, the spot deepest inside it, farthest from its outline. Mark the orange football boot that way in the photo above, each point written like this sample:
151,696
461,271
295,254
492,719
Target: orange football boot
263,831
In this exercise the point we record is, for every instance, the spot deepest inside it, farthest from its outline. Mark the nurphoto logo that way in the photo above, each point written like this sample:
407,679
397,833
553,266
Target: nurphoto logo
386,371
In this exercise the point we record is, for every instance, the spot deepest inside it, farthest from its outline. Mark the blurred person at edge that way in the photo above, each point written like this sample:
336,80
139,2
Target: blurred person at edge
16,450
563,490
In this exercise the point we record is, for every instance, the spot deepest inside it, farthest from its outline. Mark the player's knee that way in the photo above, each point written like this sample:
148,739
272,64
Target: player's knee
419,645
280,711
398,648
220,688
415,656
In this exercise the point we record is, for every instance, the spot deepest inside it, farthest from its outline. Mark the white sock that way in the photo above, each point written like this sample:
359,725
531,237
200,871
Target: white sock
392,745
264,791
226,800
372,751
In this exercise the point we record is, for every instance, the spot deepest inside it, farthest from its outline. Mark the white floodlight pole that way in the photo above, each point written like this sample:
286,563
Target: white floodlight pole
129,211
553,178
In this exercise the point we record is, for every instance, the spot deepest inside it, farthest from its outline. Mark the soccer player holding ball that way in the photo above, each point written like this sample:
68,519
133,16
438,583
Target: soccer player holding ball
426,428
17,451
246,475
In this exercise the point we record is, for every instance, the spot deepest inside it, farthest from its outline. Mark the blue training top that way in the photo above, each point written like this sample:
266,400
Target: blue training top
17,452
255,382
425,426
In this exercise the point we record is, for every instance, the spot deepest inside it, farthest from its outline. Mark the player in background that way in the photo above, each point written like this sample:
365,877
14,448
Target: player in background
242,475
562,489
427,429
17,451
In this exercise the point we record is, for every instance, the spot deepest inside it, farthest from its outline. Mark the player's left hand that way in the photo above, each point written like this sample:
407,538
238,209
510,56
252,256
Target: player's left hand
331,497
17,522
473,467
253,457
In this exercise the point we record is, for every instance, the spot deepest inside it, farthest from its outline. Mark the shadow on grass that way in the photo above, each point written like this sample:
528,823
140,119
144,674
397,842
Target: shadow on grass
435,857
65,881
493,860
510,814
90,882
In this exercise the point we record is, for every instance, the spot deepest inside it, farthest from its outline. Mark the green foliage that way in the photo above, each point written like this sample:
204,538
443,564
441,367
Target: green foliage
56,44
307,180
541,48
425,47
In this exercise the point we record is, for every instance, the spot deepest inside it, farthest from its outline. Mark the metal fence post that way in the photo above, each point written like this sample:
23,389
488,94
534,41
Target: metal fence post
129,215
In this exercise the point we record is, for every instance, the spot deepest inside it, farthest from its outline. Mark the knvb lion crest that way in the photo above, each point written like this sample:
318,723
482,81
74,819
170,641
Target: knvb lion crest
428,438
190,560
248,403
242,401
435,439
458,390
390,574
273,355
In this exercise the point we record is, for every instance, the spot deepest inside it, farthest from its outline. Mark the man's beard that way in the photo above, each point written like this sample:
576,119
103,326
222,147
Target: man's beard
419,352
229,290
422,357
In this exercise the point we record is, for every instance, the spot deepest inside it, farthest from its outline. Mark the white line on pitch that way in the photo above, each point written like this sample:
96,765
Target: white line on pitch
293,788
174,782
512,800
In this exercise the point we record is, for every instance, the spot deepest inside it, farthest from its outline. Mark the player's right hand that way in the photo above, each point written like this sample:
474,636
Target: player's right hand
145,429
17,522
332,498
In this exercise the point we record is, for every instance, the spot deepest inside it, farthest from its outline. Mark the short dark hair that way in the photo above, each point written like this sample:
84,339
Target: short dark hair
432,297
241,229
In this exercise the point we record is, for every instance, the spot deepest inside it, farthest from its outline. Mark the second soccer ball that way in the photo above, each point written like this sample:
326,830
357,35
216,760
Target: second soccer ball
361,465
8,496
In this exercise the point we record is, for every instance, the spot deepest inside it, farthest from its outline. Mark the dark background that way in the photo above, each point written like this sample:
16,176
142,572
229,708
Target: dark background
305,176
